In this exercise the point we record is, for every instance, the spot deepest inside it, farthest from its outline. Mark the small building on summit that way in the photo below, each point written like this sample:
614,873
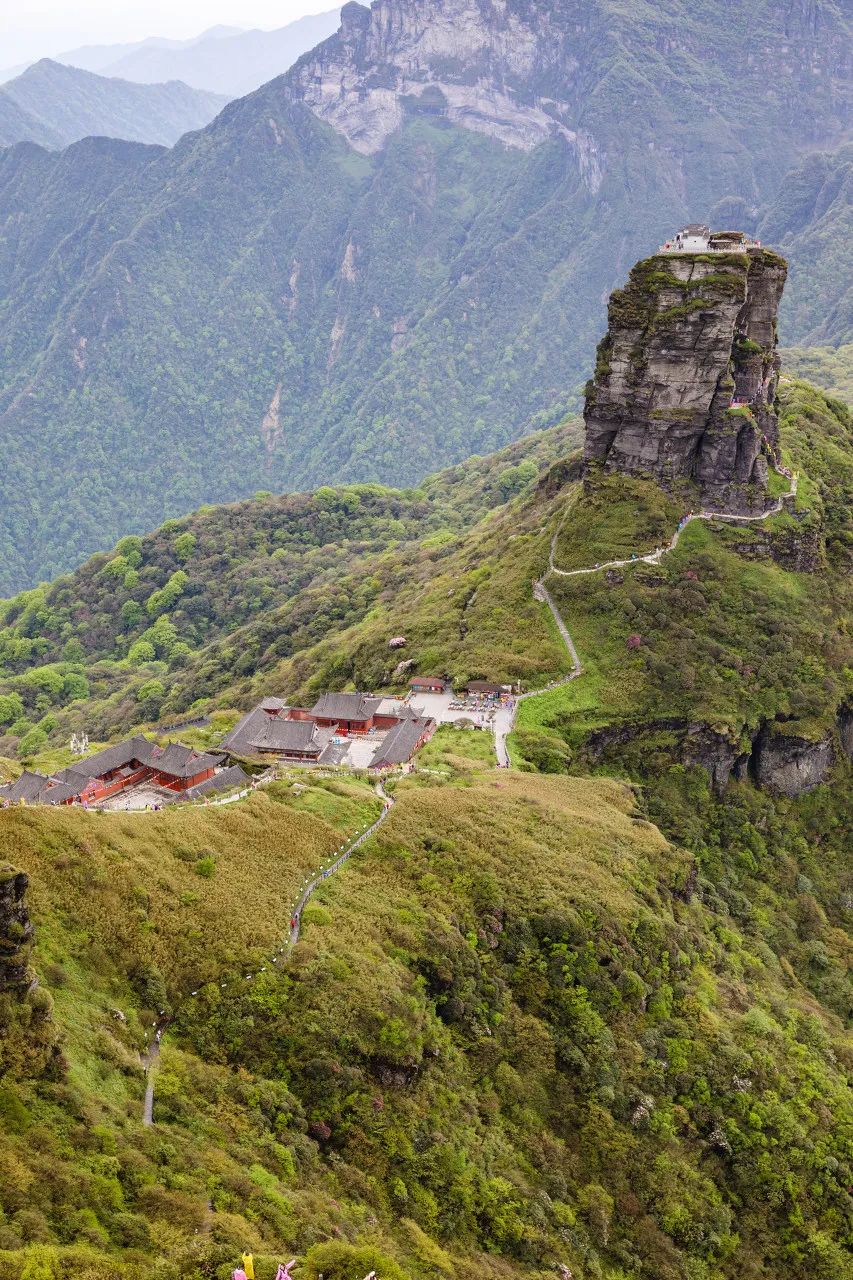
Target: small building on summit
693,238
697,238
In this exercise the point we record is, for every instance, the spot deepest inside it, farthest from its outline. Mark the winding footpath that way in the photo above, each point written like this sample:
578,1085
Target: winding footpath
541,593
152,1055
655,557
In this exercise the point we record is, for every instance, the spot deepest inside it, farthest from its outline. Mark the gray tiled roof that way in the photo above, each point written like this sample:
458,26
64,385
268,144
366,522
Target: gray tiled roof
60,793
76,775
345,706
179,761
26,788
35,788
401,742
224,781
123,753
258,731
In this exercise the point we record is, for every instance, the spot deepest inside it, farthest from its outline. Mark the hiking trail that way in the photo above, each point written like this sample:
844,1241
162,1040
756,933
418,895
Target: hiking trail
541,592
151,1056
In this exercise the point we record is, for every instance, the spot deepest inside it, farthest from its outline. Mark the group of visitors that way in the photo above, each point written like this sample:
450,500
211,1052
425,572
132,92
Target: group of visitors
247,1270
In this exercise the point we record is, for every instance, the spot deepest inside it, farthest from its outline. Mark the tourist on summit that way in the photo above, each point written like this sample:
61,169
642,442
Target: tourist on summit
249,1266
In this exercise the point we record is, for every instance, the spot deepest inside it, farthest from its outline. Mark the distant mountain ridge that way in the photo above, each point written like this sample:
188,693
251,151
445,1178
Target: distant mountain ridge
224,60
391,257
233,64
55,106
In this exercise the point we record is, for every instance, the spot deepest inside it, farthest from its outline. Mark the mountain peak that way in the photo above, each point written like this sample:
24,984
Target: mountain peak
686,376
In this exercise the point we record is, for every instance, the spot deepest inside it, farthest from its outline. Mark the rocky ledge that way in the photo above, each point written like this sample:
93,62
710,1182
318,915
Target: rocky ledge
16,932
686,376
773,757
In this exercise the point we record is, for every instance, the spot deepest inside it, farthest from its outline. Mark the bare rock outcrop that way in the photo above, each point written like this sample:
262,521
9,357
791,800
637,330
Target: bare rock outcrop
774,758
686,376
16,932
493,68
29,1041
790,764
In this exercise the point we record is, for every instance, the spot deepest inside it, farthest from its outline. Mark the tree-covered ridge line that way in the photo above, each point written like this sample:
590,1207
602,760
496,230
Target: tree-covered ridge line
212,604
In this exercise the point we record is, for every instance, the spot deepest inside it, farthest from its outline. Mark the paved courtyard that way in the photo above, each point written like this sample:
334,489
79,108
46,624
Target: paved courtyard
496,717
135,800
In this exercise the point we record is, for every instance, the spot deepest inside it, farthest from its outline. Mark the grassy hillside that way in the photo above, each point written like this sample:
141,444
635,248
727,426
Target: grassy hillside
538,1020
516,1033
739,625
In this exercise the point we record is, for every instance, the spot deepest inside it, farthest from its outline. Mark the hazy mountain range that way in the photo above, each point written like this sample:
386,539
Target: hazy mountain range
223,60
55,105
392,256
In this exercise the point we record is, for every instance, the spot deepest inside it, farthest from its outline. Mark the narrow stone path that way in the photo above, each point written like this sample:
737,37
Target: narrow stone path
541,592
151,1057
655,557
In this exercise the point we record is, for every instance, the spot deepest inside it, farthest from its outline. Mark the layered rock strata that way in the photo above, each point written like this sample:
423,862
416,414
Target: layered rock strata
686,376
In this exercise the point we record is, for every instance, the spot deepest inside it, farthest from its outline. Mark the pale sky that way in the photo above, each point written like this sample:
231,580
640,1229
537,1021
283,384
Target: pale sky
31,29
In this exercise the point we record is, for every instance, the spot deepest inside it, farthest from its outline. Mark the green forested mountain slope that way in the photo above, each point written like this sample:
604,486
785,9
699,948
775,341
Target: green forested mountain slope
17,125
60,105
811,220
216,603
270,308
525,1027
828,367
522,1031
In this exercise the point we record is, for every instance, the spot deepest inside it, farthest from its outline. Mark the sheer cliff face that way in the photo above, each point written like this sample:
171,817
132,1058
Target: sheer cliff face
686,375
473,62
593,72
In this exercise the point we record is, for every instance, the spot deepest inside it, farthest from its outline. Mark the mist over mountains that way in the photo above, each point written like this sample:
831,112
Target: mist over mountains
392,256
225,60
55,105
